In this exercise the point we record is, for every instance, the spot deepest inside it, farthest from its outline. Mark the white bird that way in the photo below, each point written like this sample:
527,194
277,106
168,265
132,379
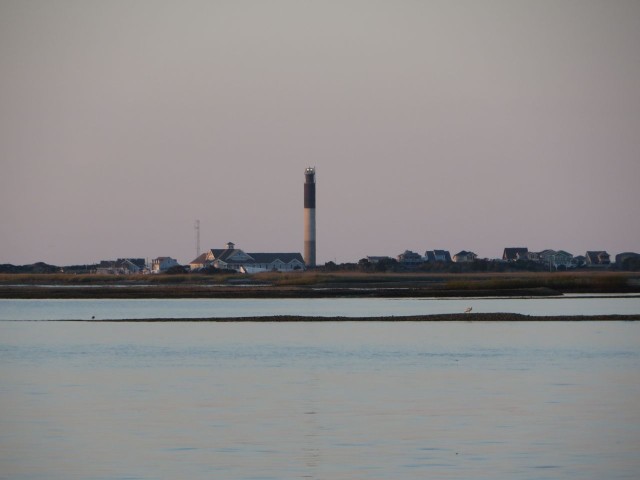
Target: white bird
468,310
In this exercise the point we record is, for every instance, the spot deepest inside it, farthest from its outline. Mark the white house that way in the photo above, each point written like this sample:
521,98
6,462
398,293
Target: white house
513,254
437,256
546,256
464,257
122,266
556,259
410,259
162,264
233,258
597,258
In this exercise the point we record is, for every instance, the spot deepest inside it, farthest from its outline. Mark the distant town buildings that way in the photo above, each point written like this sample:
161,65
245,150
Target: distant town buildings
122,266
409,259
514,257
597,258
552,258
237,260
557,259
377,259
437,256
162,264
622,258
232,258
513,254
464,257
578,261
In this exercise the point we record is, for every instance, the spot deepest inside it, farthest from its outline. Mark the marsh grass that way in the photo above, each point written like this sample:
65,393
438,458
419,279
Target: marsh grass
564,282
587,281
93,279
313,278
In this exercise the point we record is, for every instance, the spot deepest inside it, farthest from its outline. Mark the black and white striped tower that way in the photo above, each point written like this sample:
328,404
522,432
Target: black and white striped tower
310,217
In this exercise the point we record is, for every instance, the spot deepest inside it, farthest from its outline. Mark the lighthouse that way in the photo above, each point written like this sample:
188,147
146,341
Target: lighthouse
310,217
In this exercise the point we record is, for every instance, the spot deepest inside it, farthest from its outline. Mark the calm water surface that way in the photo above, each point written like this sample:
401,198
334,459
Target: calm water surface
350,400
348,307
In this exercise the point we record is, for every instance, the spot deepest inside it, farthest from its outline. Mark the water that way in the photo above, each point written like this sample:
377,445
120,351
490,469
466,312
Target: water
348,307
348,400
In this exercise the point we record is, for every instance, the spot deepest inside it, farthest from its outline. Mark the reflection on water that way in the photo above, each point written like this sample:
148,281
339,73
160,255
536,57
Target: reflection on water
345,400
324,307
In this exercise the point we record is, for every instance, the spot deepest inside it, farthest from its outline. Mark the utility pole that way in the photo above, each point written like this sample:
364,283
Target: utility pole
197,229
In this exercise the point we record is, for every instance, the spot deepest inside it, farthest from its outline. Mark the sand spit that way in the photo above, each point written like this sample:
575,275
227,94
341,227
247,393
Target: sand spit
450,317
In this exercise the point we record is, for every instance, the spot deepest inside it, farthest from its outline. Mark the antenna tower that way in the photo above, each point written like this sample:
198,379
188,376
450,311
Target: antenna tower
197,229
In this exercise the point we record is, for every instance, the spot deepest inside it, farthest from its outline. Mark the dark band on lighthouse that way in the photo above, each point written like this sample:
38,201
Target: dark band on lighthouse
309,193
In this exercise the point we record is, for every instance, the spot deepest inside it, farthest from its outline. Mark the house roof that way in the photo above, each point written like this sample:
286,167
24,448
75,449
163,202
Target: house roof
594,256
228,255
138,262
272,257
135,262
625,255
122,263
215,252
511,253
433,254
377,258
200,260
410,254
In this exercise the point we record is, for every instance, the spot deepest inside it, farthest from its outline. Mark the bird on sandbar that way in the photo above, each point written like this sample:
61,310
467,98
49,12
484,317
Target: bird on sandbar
468,310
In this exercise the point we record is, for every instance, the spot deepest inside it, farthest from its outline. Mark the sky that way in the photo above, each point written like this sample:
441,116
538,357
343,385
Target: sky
459,125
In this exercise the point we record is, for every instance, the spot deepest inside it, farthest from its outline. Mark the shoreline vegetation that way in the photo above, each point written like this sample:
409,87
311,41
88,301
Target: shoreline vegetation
447,317
314,284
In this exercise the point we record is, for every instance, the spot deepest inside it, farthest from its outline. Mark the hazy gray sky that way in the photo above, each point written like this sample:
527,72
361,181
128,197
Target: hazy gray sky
432,124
